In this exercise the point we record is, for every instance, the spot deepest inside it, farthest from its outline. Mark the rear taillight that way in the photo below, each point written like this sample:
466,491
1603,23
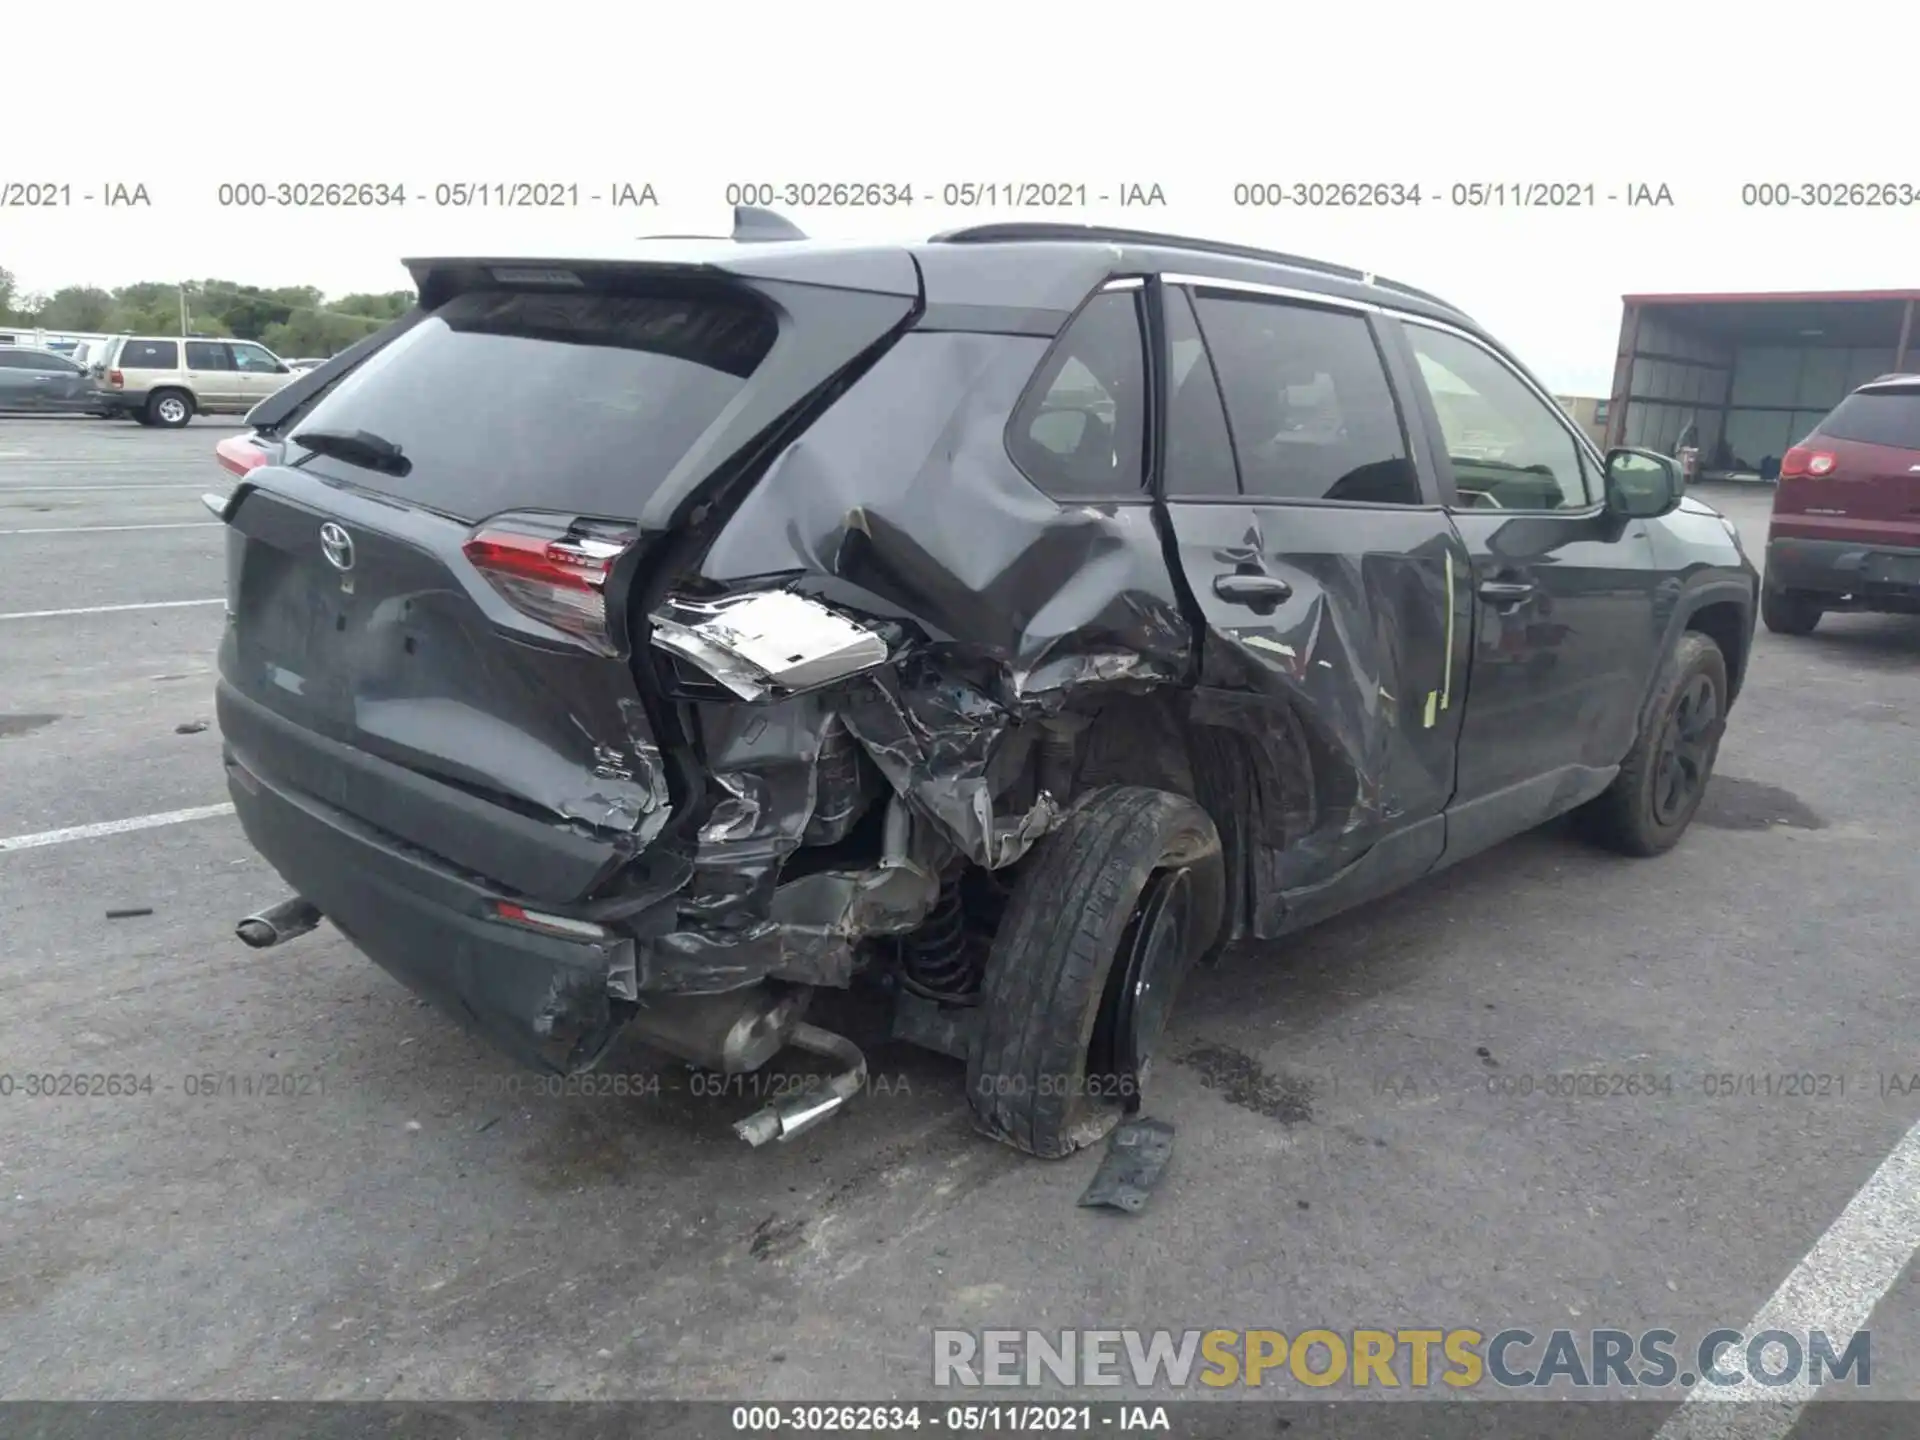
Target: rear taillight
560,582
1803,462
116,379
238,454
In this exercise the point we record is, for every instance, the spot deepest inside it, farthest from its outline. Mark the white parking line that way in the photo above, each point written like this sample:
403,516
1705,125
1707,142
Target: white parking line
111,827
96,529
1835,1289
107,609
90,489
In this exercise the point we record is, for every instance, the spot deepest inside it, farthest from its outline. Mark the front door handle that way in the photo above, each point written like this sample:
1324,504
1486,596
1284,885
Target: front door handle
1257,591
1505,592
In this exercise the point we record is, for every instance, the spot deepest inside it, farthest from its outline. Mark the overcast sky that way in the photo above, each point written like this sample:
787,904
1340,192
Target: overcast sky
1194,98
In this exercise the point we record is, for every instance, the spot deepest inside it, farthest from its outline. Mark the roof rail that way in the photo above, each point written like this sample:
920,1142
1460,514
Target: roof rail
1048,230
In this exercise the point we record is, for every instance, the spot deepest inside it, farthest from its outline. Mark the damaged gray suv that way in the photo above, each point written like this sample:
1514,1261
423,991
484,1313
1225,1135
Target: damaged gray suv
1009,620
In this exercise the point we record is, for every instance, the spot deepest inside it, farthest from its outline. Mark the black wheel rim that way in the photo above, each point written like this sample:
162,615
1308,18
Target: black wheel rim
1686,750
1140,987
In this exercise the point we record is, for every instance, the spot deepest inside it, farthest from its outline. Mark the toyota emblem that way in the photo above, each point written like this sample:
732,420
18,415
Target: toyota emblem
337,546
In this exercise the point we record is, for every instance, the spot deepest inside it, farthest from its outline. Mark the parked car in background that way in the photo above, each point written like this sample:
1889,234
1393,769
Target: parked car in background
45,383
1845,532
166,380
1009,620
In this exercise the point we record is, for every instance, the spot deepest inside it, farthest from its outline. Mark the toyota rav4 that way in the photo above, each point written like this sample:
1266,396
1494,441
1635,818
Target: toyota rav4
1010,620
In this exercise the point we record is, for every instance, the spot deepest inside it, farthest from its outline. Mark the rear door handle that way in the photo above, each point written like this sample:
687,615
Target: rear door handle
1505,592
1255,590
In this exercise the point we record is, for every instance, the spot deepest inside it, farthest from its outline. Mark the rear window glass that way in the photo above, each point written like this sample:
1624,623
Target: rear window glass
1888,417
149,355
582,401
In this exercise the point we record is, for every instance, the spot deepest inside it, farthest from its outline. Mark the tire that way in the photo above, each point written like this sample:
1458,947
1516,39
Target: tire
1643,812
139,417
169,409
1789,612
1064,1042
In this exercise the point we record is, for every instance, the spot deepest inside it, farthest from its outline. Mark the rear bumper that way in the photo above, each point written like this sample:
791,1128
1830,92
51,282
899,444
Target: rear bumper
1872,575
553,1004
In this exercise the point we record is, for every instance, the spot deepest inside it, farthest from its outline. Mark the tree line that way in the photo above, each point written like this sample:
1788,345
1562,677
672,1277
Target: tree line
292,320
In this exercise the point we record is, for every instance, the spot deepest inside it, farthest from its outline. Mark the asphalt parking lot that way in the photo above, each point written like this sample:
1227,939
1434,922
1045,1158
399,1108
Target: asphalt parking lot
1364,1130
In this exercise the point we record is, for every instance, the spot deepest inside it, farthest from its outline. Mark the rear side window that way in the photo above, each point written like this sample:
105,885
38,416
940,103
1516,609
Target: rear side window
581,402
1307,396
150,355
1080,431
1877,417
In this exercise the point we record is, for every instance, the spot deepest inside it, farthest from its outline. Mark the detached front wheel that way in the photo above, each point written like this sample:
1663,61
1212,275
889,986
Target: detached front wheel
1108,914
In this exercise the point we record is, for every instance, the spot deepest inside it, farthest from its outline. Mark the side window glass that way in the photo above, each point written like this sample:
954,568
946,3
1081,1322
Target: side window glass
1508,447
1080,431
254,360
149,355
14,361
1307,395
1199,449
206,355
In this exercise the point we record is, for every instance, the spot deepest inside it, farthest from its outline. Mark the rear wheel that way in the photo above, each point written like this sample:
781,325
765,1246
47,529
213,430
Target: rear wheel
1652,800
1108,914
169,409
1789,612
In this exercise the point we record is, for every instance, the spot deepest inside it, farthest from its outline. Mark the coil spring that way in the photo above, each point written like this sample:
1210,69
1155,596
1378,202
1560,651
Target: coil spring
937,957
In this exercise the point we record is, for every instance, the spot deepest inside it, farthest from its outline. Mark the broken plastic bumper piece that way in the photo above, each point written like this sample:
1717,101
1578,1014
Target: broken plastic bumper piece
767,643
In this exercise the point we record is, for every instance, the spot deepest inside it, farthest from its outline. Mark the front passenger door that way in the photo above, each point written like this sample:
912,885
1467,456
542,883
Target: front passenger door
1326,570
257,371
1564,629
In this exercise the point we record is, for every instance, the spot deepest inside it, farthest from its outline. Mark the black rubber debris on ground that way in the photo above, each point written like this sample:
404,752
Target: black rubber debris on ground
1241,1080
131,912
1137,1153
192,727
23,724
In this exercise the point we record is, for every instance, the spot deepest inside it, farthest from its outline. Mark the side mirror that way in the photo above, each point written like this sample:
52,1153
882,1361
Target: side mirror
1642,484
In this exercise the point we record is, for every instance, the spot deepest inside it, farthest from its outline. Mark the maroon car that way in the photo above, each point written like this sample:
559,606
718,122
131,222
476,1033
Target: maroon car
1845,533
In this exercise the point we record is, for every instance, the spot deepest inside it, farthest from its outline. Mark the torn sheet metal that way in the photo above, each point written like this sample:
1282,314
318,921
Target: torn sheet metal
1137,1155
1020,606
767,642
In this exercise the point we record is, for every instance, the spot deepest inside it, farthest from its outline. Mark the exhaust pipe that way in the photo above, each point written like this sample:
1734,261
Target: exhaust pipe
291,917
803,1113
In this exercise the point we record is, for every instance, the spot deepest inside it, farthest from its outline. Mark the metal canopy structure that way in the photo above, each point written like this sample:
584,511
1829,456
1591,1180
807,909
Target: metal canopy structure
1750,374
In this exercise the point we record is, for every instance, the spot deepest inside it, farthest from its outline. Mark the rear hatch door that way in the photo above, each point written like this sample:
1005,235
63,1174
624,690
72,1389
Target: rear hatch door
1868,492
429,586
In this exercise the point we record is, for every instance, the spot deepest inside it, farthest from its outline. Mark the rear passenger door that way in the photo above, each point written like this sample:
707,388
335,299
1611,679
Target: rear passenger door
1311,536
210,373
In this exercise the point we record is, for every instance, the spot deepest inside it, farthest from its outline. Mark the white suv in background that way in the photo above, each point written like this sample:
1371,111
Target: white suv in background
168,379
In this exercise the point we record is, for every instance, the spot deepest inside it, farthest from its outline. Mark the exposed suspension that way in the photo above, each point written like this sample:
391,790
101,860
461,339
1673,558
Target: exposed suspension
940,960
